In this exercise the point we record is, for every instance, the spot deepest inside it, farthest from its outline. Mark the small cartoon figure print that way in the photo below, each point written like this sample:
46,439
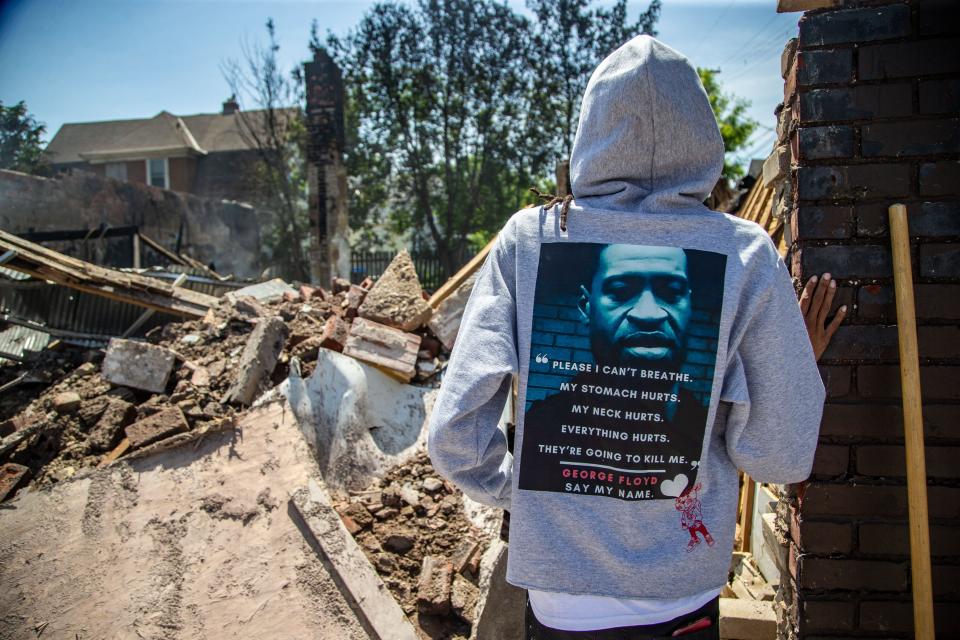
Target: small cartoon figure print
691,516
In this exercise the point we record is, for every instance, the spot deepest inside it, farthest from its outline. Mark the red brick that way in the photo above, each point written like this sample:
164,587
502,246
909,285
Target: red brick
433,586
886,617
906,59
821,499
855,25
946,581
843,262
830,141
856,181
836,380
897,617
920,137
940,260
939,178
817,537
941,421
883,381
852,575
824,66
830,460
160,425
335,333
940,96
932,301
813,223
939,342
863,342
890,460
859,500
826,615
865,102
894,539
874,421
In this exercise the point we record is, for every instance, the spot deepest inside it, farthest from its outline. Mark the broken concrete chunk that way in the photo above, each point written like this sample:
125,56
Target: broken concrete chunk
396,299
66,402
160,425
269,291
249,307
445,322
12,476
200,377
434,586
138,365
390,349
258,360
340,285
409,495
107,432
359,514
399,542
463,598
432,485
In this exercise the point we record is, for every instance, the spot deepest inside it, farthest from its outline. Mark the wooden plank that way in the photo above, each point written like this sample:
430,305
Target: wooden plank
166,253
131,288
118,451
746,512
377,610
912,426
460,277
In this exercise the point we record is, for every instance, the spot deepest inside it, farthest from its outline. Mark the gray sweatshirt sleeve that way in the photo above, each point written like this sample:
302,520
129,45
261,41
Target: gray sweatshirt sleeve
465,442
775,389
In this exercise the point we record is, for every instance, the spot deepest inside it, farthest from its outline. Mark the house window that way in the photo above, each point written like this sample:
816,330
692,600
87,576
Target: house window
117,170
157,173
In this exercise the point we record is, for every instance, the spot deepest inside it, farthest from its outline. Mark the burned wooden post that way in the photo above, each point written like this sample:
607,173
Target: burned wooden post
326,175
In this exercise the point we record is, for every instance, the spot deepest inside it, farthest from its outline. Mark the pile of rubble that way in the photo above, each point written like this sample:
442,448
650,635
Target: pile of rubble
197,375
412,527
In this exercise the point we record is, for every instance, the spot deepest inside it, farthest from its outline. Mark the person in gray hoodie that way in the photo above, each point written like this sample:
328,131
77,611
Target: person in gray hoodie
656,344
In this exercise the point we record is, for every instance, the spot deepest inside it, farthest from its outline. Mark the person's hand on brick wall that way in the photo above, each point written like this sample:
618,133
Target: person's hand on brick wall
815,301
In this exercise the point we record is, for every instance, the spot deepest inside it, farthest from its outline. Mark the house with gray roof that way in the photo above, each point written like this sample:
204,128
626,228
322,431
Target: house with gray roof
209,154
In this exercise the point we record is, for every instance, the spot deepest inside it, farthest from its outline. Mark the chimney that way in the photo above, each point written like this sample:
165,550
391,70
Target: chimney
230,105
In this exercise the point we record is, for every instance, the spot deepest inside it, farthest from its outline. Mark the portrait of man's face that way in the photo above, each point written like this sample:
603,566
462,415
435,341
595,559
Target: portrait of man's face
638,305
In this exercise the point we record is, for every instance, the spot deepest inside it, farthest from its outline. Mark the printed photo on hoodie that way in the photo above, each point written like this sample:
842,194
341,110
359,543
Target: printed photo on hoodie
623,352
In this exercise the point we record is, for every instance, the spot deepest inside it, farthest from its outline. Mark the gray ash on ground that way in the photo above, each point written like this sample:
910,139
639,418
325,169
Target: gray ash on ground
412,526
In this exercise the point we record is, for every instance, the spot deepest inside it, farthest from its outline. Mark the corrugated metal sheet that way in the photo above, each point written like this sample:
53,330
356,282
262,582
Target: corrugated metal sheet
60,307
19,340
10,274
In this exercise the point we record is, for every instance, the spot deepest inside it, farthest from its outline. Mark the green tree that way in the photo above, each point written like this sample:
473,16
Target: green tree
456,107
20,145
570,38
276,130
438,94
735,127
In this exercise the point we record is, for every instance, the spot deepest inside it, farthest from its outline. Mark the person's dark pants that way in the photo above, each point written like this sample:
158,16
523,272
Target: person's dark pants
662,630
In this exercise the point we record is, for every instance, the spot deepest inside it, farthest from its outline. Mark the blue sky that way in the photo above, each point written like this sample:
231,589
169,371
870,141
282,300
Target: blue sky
86,60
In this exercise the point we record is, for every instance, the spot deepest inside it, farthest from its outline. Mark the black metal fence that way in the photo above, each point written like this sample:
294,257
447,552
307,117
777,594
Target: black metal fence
374,263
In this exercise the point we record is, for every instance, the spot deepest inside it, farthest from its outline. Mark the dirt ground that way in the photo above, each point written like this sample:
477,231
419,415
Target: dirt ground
167,547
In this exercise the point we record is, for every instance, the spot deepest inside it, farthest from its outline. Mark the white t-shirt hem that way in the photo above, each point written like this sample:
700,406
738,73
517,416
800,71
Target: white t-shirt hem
566,612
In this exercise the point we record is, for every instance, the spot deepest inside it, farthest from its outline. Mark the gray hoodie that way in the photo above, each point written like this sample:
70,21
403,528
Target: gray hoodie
659,348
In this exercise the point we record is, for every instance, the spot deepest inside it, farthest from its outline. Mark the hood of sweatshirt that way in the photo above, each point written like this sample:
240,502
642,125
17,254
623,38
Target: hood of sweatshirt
647,138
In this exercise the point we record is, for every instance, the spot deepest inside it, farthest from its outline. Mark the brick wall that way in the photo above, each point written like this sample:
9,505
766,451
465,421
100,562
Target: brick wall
872,95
